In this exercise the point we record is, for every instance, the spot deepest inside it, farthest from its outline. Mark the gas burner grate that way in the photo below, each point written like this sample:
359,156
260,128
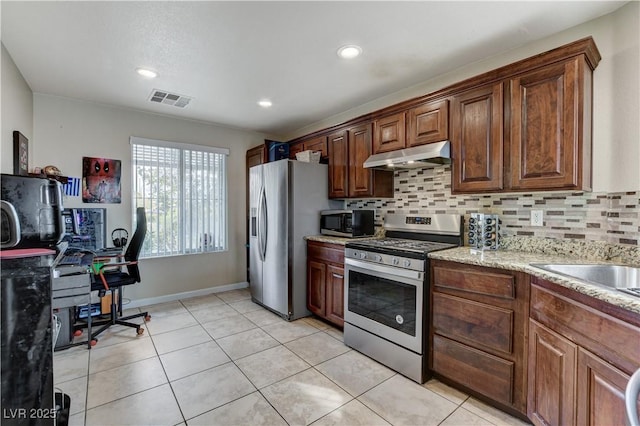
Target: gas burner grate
405,244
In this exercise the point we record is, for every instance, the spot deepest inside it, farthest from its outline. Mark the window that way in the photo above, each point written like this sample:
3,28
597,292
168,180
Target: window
183,189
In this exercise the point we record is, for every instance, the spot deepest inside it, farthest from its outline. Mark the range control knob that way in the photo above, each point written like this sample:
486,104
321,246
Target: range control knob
395,261
406,263
379,258
363,255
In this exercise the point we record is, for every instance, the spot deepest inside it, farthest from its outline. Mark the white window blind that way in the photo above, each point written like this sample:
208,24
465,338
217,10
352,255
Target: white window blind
183,189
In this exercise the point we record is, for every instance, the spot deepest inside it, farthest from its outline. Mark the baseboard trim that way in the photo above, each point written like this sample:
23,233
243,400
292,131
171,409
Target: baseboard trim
185,295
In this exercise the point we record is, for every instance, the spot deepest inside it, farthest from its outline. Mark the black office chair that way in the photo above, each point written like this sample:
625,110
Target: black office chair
111,277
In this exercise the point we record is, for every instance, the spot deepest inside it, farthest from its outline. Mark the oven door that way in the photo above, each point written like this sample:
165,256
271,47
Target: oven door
385,301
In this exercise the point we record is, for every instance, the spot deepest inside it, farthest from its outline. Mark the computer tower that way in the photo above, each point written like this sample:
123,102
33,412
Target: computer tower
66,318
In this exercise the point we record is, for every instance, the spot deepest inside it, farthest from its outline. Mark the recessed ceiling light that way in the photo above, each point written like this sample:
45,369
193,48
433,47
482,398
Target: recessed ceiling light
146,72
265,103
349,52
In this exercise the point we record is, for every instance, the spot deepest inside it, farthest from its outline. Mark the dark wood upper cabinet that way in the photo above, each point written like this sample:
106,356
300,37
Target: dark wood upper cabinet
295,148
317,144
525,126
255,156
428,123
389,133
477,139
550,124
360,179
422,124
338,164
348,150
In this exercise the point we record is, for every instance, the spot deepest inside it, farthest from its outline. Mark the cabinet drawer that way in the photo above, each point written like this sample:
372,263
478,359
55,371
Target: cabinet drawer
478,324
333,253
477,370
479,282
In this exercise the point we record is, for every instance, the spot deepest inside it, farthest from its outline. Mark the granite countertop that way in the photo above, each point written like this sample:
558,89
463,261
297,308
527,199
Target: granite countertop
521,261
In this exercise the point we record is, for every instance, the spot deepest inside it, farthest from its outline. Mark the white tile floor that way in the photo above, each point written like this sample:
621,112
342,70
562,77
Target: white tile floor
221,359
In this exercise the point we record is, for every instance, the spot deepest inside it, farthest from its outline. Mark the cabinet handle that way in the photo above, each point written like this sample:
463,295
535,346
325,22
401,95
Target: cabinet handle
338,275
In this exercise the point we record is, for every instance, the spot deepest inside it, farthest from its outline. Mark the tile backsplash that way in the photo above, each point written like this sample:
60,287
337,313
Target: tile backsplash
611,217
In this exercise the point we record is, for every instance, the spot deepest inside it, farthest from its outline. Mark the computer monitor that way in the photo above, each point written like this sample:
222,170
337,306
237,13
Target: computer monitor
85,228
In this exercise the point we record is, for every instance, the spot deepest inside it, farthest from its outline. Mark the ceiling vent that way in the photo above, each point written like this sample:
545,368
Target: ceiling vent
164,97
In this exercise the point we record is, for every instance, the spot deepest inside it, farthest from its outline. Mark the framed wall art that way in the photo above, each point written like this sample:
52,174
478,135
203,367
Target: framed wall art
101,180
20,154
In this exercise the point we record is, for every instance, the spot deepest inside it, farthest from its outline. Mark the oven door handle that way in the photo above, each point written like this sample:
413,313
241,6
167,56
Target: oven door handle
373,267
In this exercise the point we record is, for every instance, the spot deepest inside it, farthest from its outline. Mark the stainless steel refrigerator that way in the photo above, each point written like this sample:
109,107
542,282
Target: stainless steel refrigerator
286,198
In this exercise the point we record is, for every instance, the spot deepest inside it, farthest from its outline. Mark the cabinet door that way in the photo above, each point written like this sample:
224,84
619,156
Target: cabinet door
335,295
552,377
317,144
546,127
338,165
477,140
316,279
294,149
389,133
428,123
255,156
601,389
360,179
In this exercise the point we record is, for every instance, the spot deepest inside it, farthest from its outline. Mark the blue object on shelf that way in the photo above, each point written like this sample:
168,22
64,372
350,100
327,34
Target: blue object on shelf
277,150
84,310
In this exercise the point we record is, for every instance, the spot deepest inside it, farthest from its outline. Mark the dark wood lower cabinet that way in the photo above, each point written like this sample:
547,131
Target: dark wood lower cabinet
335,294
316,287
552,381
580,358
530,346
601,389
325,281
478,333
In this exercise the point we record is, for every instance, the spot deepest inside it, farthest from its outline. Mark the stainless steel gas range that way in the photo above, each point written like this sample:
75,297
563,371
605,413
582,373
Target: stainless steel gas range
387,290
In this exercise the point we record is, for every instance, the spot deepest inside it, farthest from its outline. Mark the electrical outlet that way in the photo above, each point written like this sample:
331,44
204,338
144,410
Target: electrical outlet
536,218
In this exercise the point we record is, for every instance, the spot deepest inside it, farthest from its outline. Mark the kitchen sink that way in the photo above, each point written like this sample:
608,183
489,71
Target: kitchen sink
618,277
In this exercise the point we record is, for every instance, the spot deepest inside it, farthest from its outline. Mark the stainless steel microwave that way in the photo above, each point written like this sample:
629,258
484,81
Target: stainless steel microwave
347,223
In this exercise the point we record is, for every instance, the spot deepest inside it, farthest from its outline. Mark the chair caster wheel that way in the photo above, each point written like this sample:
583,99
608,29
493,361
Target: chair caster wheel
147,318
93,342
140,331
77,333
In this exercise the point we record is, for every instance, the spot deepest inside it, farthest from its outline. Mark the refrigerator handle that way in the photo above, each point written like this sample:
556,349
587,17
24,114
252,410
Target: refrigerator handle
259,225
264,229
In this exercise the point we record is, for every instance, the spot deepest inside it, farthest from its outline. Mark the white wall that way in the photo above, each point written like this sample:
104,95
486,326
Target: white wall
616,109
65,130
17,110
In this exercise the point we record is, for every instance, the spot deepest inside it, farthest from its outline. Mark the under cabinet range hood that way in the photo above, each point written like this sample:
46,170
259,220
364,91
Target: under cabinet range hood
411,158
